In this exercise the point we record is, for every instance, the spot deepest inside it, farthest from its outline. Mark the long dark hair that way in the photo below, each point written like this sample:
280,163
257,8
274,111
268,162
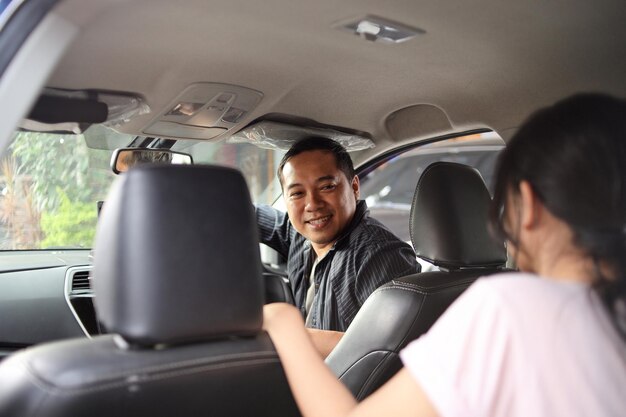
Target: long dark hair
573,155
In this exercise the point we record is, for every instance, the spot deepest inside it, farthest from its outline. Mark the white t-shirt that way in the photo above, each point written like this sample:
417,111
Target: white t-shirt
516,345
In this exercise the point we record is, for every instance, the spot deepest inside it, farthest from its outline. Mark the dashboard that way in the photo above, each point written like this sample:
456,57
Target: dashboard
47,295
44,296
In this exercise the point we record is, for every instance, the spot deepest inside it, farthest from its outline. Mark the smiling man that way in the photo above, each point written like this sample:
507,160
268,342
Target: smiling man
336,254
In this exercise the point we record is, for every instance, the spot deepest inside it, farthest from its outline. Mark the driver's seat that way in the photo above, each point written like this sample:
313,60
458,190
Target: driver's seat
178,284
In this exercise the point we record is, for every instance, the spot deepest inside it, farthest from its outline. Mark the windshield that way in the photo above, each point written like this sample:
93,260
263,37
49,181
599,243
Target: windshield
50,183
257,165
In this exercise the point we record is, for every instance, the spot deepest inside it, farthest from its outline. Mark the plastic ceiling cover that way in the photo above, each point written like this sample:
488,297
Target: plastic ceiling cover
274,135
122,107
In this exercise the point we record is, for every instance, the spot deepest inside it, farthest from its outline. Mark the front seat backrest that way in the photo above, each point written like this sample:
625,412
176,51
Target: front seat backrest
178,284
448,226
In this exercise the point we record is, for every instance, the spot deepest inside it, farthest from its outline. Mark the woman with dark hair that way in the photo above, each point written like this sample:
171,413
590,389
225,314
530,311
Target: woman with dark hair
547,341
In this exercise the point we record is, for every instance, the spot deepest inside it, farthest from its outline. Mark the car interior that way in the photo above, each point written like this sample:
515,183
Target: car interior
203,93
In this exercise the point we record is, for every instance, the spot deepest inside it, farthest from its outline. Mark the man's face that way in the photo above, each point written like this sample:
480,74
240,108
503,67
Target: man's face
320,200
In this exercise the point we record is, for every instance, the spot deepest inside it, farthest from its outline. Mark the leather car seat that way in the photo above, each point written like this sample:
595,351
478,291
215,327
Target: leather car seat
178,284
448,227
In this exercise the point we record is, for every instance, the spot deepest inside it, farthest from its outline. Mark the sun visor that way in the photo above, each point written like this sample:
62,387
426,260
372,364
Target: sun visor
73,111
274,135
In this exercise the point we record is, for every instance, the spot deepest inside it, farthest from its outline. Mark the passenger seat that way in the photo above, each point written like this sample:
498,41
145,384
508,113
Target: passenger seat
448,227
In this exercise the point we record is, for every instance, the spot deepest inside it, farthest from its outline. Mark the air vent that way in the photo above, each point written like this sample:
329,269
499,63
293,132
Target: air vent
81,282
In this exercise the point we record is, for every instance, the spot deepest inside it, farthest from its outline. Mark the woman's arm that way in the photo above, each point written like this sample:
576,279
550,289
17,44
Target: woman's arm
316,389
324,340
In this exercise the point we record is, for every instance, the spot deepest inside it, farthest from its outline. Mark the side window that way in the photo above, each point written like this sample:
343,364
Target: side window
388,189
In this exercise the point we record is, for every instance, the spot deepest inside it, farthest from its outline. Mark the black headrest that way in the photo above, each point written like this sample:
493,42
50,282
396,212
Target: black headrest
448,222
177,256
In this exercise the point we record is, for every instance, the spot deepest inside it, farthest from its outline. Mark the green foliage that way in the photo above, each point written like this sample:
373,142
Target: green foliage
59,162
73,224
51,192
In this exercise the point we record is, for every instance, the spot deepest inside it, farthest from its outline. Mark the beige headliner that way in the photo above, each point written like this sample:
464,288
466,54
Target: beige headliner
484,63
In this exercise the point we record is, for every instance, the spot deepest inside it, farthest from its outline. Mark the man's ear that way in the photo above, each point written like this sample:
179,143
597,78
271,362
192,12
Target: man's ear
531,206
356,186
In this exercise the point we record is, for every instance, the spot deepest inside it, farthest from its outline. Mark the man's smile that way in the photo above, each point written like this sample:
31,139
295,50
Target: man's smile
319,222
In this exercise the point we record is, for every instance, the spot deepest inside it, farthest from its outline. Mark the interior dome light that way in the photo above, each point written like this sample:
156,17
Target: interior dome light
378,29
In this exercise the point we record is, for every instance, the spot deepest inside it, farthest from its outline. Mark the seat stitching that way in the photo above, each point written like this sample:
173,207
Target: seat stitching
129,381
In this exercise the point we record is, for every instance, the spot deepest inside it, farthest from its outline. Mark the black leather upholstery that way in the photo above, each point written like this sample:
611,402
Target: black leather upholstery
178,279
450,208
277,289
448,222
196,239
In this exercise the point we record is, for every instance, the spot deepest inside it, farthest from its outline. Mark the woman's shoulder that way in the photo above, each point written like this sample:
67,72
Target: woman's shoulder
510,281
527,292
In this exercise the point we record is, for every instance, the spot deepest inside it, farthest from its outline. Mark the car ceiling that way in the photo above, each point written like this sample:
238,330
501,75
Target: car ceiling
484,64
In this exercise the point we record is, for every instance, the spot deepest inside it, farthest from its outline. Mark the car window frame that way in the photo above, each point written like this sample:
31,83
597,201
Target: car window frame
370,165
32,40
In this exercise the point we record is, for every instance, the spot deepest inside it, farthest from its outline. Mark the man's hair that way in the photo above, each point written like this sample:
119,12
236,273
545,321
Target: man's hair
318,143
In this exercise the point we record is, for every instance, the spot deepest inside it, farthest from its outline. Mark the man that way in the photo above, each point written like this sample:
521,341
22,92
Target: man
336,254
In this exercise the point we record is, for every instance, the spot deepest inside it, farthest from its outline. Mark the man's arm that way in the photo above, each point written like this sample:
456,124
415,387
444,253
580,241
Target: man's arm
392,260
275,230
324,340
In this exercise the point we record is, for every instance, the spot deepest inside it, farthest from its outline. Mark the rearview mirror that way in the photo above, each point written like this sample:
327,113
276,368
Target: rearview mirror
126,158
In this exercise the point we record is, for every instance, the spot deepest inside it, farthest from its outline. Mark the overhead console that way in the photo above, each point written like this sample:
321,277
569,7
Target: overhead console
205,111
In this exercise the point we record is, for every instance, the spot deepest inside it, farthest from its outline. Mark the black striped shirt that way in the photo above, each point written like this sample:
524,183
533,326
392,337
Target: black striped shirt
366,256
